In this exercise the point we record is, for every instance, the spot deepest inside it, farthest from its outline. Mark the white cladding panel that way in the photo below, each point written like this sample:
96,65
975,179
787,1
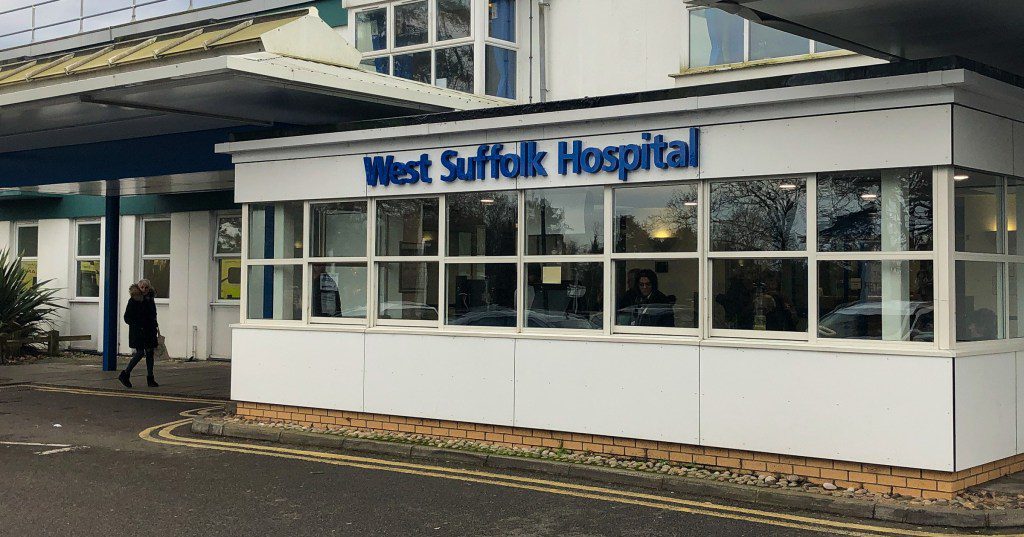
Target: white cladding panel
986,409
894,410
85,320
631,390
296,367
298,179
1019,391
221,319
441,377
982,141
55,265
6,235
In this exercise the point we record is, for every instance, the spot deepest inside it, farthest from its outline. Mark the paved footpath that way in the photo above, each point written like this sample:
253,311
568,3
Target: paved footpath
73,462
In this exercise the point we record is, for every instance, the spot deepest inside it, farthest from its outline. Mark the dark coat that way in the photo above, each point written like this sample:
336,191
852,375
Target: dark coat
141,318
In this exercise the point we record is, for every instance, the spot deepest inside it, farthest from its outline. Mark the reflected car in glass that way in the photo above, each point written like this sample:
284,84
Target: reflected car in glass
863,320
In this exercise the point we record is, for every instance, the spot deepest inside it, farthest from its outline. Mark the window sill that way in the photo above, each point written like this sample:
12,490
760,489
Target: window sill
763,63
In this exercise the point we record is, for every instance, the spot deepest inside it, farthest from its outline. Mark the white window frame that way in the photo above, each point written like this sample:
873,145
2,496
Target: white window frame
217,256
17,246
309,260
143,256
78,258
248,262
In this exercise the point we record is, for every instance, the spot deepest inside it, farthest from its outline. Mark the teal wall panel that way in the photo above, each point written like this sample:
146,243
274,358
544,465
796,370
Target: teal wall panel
75,206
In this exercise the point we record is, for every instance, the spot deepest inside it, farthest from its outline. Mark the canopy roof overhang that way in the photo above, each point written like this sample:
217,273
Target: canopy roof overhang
986,32
276,71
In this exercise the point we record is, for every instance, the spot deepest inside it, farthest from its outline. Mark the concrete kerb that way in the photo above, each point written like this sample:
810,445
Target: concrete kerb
847,507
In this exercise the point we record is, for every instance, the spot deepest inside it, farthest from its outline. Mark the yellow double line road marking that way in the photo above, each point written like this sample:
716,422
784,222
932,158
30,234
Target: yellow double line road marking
164,434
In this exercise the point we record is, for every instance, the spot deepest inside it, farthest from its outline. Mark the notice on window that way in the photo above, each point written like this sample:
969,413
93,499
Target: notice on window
552,275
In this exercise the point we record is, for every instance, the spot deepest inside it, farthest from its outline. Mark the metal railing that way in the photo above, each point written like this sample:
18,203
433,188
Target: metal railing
51,19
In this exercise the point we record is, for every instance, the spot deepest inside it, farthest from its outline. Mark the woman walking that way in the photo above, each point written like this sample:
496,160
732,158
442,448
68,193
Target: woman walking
142,330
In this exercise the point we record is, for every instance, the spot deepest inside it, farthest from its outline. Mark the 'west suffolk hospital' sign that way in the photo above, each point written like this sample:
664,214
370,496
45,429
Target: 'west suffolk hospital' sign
491,161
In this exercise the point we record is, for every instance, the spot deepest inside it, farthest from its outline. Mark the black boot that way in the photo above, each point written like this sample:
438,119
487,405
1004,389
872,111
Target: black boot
152,382
123,377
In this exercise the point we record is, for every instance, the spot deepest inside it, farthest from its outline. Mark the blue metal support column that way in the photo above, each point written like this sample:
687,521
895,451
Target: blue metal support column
111,304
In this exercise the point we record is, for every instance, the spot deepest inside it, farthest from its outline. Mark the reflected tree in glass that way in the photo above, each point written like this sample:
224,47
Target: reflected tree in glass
875,210
761,215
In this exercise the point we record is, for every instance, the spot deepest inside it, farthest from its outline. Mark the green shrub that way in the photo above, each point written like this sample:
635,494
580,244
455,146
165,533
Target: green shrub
26,308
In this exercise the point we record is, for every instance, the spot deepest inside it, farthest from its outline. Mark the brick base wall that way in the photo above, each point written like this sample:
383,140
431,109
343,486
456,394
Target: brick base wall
881,479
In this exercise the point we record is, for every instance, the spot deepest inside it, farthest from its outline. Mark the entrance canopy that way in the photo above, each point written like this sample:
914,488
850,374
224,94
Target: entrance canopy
987,32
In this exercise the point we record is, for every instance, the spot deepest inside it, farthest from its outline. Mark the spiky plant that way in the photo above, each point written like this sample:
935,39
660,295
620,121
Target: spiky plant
26,309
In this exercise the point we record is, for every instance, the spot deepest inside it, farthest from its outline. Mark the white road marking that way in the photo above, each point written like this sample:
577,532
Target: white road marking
61,450
34,444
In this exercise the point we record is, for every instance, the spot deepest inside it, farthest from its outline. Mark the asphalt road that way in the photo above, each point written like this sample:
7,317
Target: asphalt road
96,476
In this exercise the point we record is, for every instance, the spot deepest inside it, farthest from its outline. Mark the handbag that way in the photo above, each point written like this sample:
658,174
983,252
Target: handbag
160,353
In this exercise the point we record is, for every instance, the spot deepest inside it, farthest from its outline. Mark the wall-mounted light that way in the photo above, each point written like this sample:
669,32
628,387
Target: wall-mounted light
961,177
662,233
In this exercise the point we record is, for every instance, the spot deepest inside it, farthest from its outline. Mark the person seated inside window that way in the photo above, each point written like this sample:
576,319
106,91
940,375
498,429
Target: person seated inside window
645,304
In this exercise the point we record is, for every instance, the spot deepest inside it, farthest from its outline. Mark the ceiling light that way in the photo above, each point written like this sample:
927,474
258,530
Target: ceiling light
690,203
868,196
961,177
787,186
487,201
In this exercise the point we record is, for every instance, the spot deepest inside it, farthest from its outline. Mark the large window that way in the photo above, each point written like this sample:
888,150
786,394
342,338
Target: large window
338,277
274,270
27,246
156,255
720,38
227,256
407,260
436,42
88,241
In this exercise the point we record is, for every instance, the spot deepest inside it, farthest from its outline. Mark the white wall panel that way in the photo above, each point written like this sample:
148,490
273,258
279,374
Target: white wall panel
55,265
298,179
6,235
614,389
982,141
173,316
221,317
1018,148
1019,390
867,408
296,367
986,409
83,322
440,377
198,293
128,274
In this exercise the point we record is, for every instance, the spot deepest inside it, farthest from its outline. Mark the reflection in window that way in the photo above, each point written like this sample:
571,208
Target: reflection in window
338,290
339,229
716,38
28,241
229,235
407,291
978,205
565,295
502,19
759,294
500,72
453,19
1015,215
768,42
87,262
88,279
565,221
158,272
88,240
481,294
156,255
156,237
453,68
875,210
407,227
414,66
880,300
380,65
979,301
371,30
229,278
660,293
411,24
275,292
656,219
275,230
761,215
482,223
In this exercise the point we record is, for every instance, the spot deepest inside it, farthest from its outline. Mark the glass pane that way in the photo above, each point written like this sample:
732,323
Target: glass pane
408,291
31,269
275,230
380,65
56,31
565,295
481,294
565,221
88,239
58,11
824,47
28,241
716,38
338,290
415,66
372,30
763,215
657,293
88,279
107,20
656,219
875,210
15,21
158,272
275,292
160,9
229,235
453,19
339,229
454,68
768,42
501,18
411,24
978,205
407,227
1015,215
501,72
979,301
881,300
229,278
156,237
1016,324
482,223
759,294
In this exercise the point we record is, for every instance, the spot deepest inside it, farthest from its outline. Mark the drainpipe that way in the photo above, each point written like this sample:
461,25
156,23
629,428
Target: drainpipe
542,51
